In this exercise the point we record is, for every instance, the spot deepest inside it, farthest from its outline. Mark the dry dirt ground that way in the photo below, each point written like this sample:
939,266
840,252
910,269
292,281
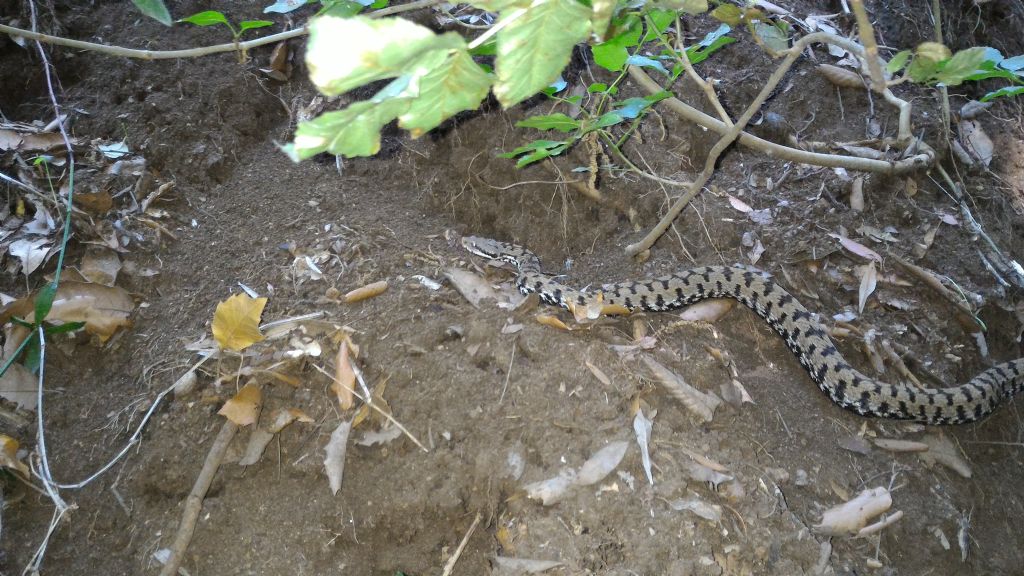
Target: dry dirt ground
496,407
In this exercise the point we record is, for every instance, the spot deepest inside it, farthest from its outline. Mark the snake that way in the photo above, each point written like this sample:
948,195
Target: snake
804,335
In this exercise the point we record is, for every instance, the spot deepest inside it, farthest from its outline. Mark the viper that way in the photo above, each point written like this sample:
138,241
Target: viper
803,334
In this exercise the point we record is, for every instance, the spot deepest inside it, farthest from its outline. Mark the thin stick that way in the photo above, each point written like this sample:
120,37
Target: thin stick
508,374
867,38
374,407
195,52
462,546
194,503
932,282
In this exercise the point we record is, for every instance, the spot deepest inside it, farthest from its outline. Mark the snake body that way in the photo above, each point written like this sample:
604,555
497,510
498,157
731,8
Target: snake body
803,334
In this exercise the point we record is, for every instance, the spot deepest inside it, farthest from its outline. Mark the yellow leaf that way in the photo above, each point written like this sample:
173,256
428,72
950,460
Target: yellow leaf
9,455
236,323
244,408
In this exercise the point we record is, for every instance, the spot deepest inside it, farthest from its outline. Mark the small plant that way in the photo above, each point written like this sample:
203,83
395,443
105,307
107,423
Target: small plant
934,63
213,17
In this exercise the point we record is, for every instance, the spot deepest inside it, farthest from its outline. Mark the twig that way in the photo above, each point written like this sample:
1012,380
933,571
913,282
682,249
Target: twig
867,37
462,546
374,407
932,282
732,133
194,503
195,52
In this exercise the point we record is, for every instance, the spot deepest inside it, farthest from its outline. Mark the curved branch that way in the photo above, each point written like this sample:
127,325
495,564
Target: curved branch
194,52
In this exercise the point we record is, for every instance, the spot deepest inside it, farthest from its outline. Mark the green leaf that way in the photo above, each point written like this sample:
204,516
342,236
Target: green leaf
772,38
607,119
645,62
661,19
44,302
611,54
155,9
559,122
346,53
341,8
711,43
353,131
207,18
489,48
1013,64
63,328
534,47
537,150
378,4
1003,92
32,355
962,64
728,13
927,59
632,108
898,61
251,24
455,85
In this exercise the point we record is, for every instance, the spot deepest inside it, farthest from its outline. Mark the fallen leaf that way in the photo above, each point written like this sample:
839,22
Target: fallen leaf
601,463
894,445
740,204
344,377
32,253
698,403
334,460
100,265
96,203
857,248
642,428
19,385
505,566
260,437
103,309
551,321
598,373
365,292
701,473
236,323
942,450
857,195
472,287
868,281
711,512
244,408
9,455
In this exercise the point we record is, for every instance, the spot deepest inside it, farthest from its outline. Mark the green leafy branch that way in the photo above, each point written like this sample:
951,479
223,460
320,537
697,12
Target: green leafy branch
934,63
213,18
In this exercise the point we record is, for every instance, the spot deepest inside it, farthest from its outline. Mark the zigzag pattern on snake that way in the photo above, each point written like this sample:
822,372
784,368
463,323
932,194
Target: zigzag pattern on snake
845,385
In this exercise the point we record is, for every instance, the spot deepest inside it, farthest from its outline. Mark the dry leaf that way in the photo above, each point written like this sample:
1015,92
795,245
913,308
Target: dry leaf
601,463
260,438
100,265
857,248
472,287
868,281
842,77
334,461
894,445
700,404
505,566
9,455
236,323
857,195
368,291
642,428
344,377
104,309
598,373
19,385
383,436
942,450
551,321
739,204
244,408
32,253
712,512
977,143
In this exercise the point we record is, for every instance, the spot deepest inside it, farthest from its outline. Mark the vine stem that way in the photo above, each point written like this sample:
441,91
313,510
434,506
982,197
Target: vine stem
194,52
733,133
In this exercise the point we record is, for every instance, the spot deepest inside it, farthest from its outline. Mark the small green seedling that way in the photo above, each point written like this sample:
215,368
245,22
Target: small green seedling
213,17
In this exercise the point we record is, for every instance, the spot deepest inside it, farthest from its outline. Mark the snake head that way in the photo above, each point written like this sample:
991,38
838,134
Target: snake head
484,247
